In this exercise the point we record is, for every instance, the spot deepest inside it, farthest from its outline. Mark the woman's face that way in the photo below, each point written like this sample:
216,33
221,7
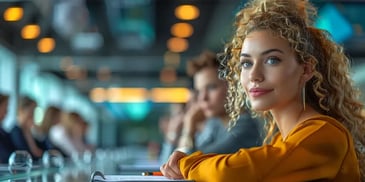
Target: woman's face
210,92
270,73
26,116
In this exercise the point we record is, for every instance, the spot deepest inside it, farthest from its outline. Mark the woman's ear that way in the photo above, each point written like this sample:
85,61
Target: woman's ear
307,72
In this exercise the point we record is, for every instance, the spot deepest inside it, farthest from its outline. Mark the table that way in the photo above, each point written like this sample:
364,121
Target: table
116,163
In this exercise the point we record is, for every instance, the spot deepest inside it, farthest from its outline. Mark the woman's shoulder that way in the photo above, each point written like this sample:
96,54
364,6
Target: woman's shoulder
323,128
323,122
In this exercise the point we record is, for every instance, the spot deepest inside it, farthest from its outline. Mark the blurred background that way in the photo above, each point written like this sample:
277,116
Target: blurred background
121,63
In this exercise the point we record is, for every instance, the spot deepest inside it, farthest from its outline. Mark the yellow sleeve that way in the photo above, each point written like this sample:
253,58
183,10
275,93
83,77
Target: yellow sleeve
312,151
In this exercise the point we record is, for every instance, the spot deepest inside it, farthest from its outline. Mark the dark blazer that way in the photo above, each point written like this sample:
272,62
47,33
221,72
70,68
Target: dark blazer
19,141
6,146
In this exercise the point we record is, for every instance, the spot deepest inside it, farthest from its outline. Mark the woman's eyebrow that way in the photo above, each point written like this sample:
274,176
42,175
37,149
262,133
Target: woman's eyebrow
263,53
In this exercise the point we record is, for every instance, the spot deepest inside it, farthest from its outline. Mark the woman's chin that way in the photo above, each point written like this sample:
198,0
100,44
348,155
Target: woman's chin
259,108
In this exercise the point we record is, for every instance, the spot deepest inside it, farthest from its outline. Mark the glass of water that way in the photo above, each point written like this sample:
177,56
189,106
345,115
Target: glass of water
53,159
20,161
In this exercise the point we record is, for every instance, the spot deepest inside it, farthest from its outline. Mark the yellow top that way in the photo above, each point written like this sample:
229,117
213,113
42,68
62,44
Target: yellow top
317,148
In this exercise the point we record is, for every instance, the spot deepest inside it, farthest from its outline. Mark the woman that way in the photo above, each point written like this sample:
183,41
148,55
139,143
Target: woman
69,134
297,78
205,123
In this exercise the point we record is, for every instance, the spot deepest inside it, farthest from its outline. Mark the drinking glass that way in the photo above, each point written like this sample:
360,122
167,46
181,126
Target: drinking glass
53,159
20,161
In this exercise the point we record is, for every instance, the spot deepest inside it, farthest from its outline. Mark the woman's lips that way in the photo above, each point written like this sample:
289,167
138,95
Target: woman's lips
256,92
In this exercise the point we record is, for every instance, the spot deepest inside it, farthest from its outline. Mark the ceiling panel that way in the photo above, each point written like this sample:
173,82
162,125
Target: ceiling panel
134,35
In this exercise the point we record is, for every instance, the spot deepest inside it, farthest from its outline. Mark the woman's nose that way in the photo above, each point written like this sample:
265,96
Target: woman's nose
256,73
203,95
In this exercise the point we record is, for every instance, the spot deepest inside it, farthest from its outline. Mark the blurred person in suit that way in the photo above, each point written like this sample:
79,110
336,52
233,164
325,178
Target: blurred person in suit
6,146
21,134
40,132
205,122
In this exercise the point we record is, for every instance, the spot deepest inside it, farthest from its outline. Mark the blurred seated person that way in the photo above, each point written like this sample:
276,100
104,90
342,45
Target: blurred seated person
167,123
6,146
171,125
205,123
40,132
69,134
21,134
81,133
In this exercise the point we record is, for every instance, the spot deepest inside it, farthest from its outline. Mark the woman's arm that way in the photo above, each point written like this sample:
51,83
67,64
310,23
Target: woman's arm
315,151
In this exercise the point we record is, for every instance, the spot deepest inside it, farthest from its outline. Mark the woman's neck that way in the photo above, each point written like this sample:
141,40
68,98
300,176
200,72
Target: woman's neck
287,119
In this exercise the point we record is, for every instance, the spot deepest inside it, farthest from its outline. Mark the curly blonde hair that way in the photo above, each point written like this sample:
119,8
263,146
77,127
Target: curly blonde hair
331,91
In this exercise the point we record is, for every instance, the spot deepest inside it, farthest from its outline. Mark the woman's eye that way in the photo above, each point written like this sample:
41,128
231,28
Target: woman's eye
245,64
211,86
272,60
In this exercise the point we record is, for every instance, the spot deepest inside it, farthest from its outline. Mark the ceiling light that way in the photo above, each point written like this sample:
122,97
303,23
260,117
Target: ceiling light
104,74
30,31
170,95
127,94
75,72
98,95
177,44
171,59
46,45
187,12
168,75
13,14
182,30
